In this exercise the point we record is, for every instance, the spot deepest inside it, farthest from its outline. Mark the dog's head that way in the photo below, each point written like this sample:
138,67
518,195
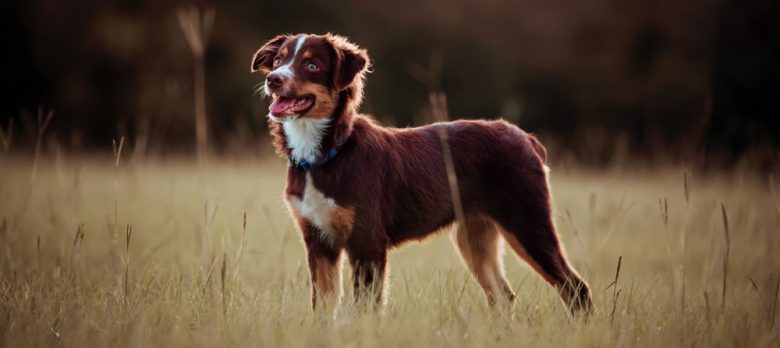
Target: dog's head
309,75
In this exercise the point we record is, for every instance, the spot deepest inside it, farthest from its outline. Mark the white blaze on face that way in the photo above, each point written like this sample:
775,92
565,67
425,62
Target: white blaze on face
286,70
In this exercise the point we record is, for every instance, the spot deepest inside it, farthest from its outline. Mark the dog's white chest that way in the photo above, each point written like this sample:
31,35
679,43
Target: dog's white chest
333,221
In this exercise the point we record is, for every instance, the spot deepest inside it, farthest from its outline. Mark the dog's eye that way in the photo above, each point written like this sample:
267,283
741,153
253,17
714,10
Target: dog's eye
277,60
311,66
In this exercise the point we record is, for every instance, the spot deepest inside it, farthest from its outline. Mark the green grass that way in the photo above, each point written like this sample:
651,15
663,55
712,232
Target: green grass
166,286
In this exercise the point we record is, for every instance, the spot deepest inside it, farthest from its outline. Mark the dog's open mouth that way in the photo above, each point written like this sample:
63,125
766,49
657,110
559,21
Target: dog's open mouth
290,105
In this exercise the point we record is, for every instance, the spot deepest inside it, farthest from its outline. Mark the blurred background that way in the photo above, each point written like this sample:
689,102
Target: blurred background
602,82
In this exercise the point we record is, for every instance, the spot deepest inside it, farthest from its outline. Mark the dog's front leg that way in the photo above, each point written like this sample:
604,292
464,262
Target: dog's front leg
324,268
368,270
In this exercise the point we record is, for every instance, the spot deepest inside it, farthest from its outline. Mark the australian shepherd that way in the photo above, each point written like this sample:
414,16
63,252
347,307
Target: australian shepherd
356,187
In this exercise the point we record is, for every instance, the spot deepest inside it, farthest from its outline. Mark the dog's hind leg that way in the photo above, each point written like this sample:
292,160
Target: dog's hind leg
529,230
479,244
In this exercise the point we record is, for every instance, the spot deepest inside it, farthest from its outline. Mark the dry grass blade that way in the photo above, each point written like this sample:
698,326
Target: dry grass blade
614,286
197,30
429,75
773,195
439,106
271,224
663,204
617,276
726,256
240,250
128,234
684,238
614,306
223,274
118,150
196,27
7,136
687,186
764,303
209,215
574,230
77,242
38,250
622,210
43,124
774,303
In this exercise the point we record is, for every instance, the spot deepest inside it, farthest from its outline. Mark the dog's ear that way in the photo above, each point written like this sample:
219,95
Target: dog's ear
350,63
263,59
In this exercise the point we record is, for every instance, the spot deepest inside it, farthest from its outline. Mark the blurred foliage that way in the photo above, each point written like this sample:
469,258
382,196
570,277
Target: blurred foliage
602,80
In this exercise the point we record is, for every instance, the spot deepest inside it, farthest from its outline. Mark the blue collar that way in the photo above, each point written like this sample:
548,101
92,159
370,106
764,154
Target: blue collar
307,166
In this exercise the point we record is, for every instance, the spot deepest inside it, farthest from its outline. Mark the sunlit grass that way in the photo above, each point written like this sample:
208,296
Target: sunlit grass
71,274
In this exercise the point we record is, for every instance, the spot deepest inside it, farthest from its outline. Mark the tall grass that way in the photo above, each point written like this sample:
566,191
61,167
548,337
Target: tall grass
175,284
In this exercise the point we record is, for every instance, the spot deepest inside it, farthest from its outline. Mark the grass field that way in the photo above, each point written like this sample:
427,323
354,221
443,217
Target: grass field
155,253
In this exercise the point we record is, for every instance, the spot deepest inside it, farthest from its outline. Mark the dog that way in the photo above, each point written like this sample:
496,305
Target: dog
356,187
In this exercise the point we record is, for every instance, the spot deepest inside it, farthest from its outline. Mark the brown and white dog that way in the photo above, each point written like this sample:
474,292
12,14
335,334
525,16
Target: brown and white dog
354,186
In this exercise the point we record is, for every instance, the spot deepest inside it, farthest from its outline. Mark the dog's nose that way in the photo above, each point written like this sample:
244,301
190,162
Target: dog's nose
274,80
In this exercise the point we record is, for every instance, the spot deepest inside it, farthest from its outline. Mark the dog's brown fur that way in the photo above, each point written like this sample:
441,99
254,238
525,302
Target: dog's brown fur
387,186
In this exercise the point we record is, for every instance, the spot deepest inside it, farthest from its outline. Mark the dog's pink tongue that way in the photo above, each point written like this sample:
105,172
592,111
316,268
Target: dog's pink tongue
282,106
